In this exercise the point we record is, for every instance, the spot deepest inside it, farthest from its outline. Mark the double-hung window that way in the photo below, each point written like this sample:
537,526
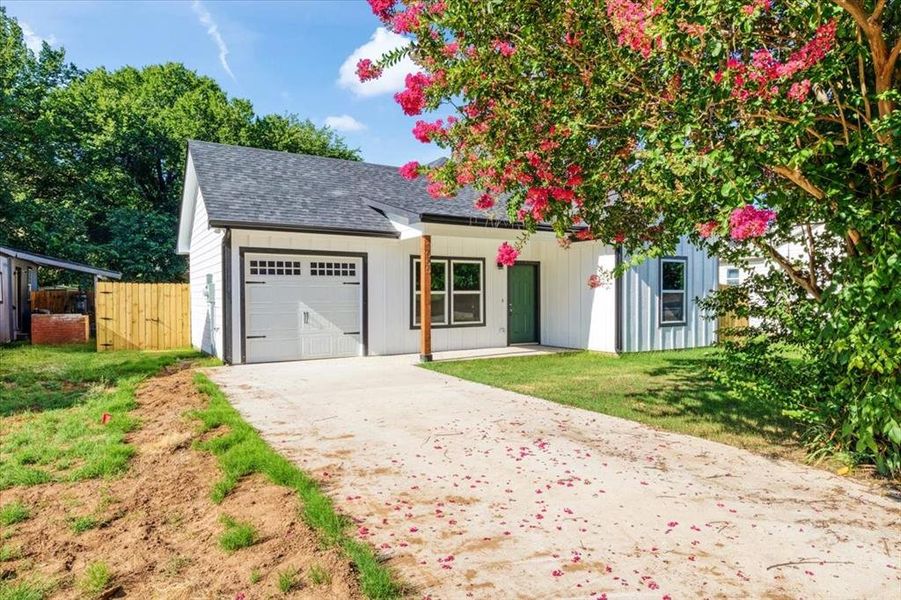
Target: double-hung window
458,292
673,290
733,276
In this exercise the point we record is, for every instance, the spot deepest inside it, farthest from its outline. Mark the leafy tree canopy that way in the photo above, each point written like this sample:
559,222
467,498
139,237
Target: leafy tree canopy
744,124
91,162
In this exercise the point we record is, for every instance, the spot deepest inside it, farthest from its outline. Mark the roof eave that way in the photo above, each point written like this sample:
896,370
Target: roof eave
301,228
58,263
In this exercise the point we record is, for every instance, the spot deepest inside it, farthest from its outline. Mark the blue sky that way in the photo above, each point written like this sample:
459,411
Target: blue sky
283,56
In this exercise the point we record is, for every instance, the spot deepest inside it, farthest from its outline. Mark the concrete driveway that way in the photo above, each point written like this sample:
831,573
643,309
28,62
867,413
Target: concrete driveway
477,492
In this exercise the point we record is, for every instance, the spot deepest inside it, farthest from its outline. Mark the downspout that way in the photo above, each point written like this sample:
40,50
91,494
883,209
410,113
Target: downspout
618,302
227,296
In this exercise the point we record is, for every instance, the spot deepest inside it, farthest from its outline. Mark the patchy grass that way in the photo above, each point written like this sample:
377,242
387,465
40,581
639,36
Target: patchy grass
241,451
22,590
667,390
52,400
176,565
10,552
237,534
95,580
287,581
84,523
255,576
13,512
319,576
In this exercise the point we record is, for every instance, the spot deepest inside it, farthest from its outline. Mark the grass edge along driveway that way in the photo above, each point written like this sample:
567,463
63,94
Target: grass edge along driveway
669,390
241,451
52,402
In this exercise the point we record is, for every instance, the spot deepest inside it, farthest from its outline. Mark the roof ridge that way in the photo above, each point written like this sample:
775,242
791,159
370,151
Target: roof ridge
285,152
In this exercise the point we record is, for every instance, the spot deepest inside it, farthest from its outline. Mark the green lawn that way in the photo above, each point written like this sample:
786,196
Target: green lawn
668,390
52,399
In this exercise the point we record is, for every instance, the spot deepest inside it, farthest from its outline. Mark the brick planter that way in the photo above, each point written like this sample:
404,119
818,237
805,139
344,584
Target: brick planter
59,329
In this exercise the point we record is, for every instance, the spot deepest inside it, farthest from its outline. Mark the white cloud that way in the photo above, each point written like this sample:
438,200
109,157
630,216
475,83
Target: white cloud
392,80
33,40
212,29
344,123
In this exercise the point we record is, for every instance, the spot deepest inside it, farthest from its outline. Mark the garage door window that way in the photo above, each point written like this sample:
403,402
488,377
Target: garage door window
333,269
458,292
275,267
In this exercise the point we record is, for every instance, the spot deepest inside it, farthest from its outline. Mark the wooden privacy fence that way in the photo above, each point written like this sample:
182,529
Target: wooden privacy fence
729,321
60,301
143,316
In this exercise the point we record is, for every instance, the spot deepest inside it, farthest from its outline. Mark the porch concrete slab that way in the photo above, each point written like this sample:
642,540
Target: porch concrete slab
475,492
505,351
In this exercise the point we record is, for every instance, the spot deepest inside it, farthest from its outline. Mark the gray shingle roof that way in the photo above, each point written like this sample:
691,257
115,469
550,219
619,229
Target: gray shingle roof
242,185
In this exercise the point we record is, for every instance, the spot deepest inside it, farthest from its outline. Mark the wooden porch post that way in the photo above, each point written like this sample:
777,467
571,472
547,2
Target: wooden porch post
425,298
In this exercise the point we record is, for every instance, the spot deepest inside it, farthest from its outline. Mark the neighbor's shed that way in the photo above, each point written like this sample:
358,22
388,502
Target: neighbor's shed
19,277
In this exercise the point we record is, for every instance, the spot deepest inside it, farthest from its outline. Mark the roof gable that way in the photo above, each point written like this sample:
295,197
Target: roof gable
281,190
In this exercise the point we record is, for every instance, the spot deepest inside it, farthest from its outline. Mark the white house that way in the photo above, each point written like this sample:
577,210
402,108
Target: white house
300,257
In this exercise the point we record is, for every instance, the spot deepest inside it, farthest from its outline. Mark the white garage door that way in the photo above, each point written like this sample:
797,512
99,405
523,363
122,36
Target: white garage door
301,307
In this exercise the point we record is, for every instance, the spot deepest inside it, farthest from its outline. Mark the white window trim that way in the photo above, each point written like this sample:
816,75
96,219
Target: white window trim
449,292
729,279
684,291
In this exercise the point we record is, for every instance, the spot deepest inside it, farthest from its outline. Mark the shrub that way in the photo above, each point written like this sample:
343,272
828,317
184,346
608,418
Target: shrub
834,365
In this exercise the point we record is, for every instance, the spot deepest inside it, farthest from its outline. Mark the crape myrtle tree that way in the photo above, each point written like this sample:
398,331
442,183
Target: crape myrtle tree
743,124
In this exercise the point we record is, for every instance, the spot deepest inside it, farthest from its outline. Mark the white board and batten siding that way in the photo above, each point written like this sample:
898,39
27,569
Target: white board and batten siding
641,327
571,314
205,265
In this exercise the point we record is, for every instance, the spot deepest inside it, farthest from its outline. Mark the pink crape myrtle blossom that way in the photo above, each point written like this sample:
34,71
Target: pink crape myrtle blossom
382,8
367,71
749,222
408,20
484,202
799,90
760,77
505,48
425,131
506,255
706,229
630,21
437,189
410,170
450,49
755,5
412,98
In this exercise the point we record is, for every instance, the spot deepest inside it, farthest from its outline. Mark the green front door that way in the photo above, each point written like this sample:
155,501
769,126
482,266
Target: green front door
522,304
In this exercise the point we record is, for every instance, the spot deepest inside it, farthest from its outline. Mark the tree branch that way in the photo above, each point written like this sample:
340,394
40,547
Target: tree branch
853,8
877,11
808,286
888,69
795,176
811,257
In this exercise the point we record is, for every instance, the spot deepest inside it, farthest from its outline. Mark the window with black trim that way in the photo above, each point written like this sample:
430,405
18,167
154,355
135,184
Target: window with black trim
458,292
275,267
672,290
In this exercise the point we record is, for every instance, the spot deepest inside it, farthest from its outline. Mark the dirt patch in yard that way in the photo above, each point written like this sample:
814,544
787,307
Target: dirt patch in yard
156,528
